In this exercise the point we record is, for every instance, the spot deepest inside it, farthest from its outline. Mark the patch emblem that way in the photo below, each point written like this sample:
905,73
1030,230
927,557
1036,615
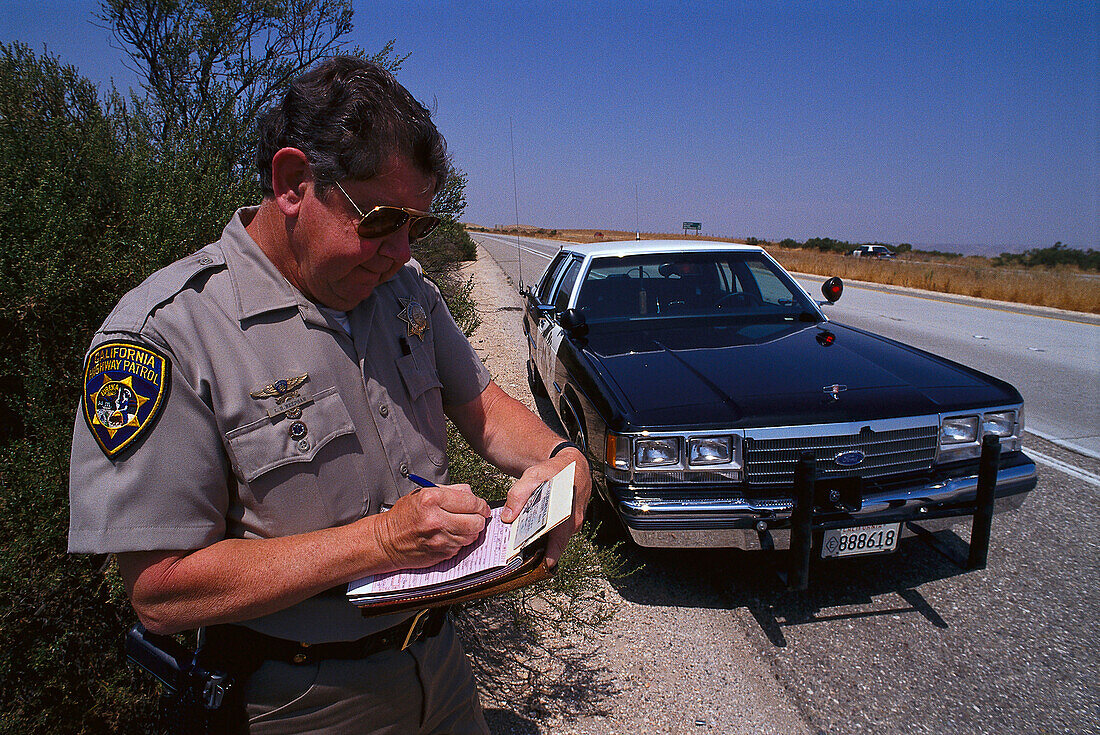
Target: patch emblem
125,387
415,317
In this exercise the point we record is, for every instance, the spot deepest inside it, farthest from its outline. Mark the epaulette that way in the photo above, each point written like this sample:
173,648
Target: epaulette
135,307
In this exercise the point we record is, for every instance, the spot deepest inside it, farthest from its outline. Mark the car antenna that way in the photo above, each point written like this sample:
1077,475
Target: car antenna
515,197
637,217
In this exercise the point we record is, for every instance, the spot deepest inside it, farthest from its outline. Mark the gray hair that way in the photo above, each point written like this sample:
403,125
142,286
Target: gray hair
350,116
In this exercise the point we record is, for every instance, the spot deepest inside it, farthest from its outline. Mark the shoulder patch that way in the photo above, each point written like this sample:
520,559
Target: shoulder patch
125,388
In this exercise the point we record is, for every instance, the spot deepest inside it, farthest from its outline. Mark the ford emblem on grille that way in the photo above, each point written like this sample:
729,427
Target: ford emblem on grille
849,459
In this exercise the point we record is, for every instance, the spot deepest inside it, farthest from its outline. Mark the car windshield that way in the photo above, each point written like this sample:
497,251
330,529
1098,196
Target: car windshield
697,284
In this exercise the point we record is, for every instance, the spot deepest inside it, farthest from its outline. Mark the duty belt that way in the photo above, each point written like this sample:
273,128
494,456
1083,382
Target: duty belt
236,642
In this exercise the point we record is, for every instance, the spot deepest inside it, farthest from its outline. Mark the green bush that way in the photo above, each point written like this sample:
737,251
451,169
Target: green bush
1056,255
75,241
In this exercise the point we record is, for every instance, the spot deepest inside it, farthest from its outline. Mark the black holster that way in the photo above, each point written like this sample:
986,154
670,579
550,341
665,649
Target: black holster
203,694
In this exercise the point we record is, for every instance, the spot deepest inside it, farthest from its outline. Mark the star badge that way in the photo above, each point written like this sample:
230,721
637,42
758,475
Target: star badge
415,317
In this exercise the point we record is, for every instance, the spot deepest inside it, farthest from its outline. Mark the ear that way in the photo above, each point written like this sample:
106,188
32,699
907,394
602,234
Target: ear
290,176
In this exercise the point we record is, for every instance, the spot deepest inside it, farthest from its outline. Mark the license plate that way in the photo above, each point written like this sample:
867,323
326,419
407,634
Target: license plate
859,540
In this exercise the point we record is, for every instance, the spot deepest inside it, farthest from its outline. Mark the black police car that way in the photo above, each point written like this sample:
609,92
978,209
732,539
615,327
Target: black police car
696,375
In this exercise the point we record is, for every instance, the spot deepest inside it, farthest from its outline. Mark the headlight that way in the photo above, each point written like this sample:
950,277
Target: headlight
961,436
648,459
710,450
656,452
1000,424
959,430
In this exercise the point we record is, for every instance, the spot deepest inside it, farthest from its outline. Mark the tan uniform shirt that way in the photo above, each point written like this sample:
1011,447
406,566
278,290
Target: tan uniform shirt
220,403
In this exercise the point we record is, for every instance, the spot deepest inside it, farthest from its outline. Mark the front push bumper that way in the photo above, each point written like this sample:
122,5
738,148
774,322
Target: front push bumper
662,520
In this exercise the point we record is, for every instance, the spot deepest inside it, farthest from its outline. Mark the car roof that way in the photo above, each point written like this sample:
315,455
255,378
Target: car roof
641,247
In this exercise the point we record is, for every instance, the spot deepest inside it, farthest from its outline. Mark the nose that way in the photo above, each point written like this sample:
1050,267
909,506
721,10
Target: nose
397,247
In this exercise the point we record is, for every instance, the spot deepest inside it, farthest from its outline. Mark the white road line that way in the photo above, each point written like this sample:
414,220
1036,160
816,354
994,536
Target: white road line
1064,444
1075,472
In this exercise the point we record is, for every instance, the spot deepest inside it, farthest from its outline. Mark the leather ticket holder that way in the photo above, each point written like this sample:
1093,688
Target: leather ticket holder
533,569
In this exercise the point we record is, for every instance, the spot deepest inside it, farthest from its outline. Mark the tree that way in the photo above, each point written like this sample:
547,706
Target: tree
211,65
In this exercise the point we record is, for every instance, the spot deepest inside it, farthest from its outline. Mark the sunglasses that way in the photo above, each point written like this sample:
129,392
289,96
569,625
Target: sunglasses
384,220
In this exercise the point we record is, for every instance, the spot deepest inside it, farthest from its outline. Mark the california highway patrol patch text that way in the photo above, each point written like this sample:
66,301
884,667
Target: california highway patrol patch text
125,387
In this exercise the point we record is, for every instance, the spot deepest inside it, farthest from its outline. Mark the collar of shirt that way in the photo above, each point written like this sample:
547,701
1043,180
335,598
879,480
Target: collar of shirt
258,285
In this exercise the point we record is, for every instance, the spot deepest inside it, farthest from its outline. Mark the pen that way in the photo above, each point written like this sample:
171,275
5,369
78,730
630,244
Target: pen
421,481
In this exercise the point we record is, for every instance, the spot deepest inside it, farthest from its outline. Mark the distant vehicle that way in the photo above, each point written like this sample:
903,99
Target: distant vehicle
873,251
695,376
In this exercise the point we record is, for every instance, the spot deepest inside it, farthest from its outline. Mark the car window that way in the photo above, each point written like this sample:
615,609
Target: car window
771,289
565,288
692,284
546,286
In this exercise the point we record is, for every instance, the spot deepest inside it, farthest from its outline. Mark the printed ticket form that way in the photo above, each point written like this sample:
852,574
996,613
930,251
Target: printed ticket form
499,545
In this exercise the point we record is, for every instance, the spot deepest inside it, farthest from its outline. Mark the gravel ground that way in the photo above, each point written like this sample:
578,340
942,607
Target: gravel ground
676,667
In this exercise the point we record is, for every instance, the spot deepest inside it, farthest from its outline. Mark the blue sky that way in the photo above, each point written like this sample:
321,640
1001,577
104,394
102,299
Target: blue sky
969,125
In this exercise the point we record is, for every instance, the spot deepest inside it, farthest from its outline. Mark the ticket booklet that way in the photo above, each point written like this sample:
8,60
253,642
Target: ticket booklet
504,556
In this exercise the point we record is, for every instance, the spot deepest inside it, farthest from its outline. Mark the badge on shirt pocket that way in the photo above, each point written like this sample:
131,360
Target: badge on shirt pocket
125,388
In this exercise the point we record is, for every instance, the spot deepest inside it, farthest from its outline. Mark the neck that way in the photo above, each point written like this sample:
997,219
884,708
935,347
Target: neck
271,229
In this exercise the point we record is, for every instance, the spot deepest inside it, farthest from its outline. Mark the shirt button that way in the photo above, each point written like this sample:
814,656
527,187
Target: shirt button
294,413
384,410
404,470
303,445
298,430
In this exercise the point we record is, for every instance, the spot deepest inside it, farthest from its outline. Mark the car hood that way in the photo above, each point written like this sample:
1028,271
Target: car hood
782,373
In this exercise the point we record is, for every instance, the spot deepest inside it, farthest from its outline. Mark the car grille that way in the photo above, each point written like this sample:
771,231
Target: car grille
772,461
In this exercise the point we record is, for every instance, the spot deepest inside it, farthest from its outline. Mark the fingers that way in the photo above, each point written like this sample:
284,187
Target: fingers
432,525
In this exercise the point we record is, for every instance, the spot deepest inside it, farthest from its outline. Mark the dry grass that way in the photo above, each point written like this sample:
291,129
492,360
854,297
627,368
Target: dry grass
1060,288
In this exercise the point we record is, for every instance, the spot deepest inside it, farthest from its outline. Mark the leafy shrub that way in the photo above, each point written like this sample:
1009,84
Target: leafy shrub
1056,255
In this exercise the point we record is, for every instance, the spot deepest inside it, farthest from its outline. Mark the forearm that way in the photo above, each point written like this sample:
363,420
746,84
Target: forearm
504,431
241,579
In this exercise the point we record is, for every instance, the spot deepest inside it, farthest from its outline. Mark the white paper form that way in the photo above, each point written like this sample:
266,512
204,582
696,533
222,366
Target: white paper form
498,544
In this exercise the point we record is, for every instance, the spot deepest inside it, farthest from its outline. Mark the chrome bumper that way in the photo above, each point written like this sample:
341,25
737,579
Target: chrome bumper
740,524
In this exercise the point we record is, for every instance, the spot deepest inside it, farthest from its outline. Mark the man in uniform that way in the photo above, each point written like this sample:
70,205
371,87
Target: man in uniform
252,415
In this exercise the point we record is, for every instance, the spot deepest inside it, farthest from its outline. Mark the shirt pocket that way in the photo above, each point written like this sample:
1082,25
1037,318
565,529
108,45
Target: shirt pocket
425,403
263,445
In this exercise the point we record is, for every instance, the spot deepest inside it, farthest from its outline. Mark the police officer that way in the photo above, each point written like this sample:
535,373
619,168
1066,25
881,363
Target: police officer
251,415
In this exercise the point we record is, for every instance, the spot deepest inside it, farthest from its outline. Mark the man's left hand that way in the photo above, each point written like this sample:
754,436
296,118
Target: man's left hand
535,476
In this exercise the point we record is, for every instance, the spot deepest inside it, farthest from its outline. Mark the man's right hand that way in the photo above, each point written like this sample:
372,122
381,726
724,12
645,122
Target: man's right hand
431,525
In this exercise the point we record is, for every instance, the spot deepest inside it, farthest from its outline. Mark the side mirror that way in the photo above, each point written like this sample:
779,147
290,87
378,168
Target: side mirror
832,289
573,322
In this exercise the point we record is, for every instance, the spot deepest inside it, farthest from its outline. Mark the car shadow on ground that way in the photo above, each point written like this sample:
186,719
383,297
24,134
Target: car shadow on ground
839,589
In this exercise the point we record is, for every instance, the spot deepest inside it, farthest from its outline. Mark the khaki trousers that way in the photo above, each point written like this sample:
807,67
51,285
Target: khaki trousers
428,688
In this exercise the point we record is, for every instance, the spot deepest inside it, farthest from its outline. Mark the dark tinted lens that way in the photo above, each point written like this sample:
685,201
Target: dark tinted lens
381,222
421,226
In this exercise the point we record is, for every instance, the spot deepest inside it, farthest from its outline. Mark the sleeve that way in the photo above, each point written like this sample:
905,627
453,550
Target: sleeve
461,371
148,468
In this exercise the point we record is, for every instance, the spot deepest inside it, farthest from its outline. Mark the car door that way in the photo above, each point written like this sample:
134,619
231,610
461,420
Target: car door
538,302
550,332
